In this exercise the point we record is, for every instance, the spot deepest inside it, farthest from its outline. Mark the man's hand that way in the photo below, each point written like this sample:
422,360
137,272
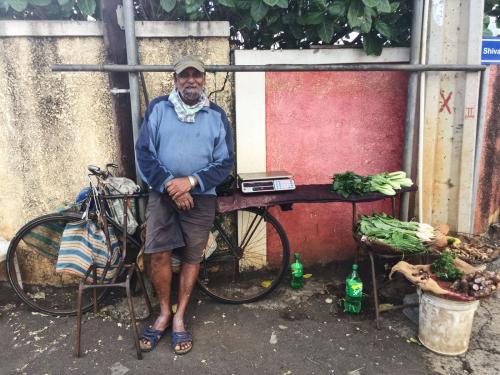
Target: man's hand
184,202
177,187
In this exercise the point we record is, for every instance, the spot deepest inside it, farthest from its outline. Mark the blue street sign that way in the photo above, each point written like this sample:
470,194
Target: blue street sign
490,51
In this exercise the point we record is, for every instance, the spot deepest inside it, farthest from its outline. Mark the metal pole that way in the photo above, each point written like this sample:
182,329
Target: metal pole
133,78
416,34
483,94
274,68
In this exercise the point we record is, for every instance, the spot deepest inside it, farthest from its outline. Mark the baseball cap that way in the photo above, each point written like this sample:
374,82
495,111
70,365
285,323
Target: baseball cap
189,62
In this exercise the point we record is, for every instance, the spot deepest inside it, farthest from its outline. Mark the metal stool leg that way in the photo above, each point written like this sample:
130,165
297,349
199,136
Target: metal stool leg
146,296
375,289
132,313
94,296
79,320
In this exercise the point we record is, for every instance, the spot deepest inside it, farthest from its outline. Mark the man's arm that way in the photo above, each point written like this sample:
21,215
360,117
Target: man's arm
152,171
217,171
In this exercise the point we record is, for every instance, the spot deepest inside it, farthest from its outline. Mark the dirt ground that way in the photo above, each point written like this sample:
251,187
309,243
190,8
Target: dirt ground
290,332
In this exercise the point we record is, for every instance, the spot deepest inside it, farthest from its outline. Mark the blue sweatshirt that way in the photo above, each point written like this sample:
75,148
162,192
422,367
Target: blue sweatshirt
168,148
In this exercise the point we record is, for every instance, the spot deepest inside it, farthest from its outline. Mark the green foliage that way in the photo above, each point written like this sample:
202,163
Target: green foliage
491,9
444,267
18,5
258,10
168,5
257,23
264,24
87,6
400,235
40,3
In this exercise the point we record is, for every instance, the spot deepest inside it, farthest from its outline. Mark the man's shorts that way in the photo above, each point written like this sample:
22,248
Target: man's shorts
169,228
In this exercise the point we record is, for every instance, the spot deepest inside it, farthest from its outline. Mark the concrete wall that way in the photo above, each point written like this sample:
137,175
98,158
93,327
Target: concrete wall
55,124
315,124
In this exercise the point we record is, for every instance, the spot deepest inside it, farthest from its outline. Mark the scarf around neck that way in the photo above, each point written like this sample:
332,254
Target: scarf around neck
187,113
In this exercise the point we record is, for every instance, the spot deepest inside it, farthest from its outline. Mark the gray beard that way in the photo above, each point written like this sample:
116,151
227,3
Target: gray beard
190,94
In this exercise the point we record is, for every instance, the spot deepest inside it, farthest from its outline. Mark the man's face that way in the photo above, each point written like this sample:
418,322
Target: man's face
190,83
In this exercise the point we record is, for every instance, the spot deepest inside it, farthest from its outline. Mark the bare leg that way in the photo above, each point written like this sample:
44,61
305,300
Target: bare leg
161,276
189,273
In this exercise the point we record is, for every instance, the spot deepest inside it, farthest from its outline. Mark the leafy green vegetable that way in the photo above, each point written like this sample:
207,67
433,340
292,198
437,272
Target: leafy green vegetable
444,267
349,183
402,235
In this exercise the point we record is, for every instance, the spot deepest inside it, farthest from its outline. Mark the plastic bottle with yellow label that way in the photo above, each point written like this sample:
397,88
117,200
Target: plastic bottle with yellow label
353,292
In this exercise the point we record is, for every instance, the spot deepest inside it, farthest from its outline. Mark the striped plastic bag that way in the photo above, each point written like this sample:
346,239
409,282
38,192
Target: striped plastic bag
83,243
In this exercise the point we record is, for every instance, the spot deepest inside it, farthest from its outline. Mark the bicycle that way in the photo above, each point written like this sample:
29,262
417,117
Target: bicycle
247,258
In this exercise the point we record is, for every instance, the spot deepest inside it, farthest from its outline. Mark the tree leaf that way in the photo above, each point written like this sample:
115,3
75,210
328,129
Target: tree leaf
487,32
283,4
271,3
258,10
337,8
384,6
40,3
320,4
394,6
227,3
370,12
366,25
243,4
356,13
325,30
372,44
313,18
371,3
193,6
87,7
63,2
18,5
384,29
168,5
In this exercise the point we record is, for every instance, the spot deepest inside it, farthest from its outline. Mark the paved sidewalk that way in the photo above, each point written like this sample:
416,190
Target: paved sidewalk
288,333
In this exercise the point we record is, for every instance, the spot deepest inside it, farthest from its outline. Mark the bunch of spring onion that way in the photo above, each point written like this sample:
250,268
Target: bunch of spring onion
408,237
348,183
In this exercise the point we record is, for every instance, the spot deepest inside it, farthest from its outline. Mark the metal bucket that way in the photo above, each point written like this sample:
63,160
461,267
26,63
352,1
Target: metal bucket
445,326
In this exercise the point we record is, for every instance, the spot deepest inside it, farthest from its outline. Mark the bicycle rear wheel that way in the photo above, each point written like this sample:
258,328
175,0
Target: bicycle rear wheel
31,267
250,257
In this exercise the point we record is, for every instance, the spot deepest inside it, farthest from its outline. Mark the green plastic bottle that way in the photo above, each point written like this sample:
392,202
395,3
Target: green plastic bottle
297,273
353,292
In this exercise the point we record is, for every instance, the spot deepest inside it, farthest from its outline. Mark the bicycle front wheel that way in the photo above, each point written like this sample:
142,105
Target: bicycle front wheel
246,258
31,267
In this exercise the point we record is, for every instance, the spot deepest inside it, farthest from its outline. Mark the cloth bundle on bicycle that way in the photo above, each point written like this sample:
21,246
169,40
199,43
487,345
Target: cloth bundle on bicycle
83,244
117,186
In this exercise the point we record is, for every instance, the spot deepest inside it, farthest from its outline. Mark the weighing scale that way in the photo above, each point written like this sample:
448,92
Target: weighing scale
265,182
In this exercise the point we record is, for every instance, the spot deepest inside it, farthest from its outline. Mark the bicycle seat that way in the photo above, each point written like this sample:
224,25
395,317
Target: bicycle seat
94,169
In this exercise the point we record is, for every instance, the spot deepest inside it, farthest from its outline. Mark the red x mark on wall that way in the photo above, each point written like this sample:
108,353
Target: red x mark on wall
444,102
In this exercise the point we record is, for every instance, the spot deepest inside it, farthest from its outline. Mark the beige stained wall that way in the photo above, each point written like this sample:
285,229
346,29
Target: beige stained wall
54,124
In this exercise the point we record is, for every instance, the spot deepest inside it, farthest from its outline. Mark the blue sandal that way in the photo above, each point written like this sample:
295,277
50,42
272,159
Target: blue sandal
181,338
153,336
